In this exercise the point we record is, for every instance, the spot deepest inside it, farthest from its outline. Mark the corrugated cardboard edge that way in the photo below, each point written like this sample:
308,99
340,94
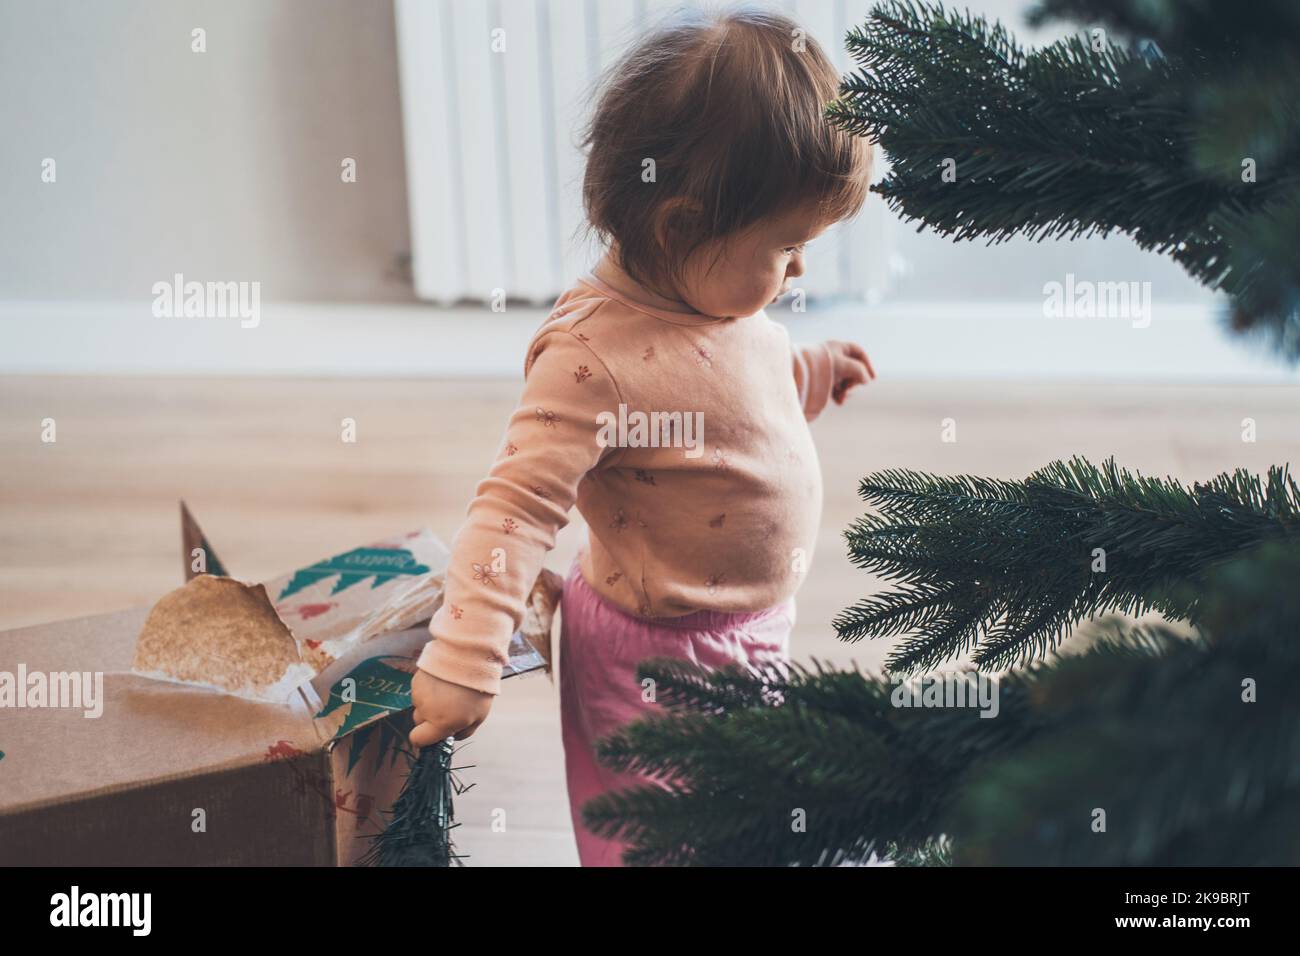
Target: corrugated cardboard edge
144,783
129,825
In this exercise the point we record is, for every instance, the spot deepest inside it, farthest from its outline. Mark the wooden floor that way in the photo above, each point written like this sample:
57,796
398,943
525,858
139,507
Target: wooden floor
89,523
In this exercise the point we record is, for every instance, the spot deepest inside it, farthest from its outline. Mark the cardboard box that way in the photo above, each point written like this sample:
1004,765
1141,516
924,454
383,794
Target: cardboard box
174,774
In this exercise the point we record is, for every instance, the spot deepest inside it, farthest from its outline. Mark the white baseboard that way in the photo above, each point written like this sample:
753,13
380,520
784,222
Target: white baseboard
914,341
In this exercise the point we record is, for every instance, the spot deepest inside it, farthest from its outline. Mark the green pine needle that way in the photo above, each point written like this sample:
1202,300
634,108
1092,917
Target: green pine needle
418,832
1087,137
1006,570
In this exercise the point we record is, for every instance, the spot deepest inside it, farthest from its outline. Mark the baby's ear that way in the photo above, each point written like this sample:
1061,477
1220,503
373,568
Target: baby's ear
671,214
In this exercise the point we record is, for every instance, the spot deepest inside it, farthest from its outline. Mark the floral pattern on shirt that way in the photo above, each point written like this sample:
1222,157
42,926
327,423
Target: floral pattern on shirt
568,383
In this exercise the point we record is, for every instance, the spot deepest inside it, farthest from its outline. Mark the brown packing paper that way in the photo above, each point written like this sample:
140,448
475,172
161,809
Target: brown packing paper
232,637
216,632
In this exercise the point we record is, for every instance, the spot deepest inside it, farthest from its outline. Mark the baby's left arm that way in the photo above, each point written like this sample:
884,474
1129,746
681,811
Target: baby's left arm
827,371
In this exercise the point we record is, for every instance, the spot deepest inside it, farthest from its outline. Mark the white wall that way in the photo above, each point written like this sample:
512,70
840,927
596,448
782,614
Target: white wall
222,165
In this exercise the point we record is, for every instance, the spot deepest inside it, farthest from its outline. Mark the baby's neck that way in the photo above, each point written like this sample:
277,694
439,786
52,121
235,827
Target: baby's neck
608,271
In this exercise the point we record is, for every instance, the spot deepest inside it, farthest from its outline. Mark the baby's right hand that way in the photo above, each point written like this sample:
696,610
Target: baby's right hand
444,709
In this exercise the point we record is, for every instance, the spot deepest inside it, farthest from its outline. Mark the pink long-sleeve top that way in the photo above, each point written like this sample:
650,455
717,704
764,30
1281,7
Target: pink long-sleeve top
722,516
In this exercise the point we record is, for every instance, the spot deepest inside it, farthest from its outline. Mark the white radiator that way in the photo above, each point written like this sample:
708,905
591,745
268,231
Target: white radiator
493,171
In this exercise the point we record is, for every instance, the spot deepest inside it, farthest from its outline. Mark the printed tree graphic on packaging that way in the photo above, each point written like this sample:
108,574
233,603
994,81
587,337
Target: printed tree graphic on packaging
355,566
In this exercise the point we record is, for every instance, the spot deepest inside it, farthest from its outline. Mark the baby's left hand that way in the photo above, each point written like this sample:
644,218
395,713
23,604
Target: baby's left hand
852,367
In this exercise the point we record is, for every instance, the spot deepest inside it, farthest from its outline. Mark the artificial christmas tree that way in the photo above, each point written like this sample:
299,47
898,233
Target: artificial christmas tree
1187,140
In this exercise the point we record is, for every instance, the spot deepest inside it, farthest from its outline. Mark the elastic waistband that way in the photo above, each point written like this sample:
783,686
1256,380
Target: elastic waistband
702,620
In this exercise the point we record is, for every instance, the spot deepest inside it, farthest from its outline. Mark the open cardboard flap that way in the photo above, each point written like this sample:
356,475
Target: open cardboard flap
339,637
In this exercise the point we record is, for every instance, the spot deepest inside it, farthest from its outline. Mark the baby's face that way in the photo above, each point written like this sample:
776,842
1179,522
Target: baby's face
753,268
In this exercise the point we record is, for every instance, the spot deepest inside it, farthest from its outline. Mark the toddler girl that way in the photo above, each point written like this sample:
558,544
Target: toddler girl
661,399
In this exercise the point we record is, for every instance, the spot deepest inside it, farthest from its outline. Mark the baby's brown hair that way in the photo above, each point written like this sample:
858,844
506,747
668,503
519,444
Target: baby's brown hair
729,106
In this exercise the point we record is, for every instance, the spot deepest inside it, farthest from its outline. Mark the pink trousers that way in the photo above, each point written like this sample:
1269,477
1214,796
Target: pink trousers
600,648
